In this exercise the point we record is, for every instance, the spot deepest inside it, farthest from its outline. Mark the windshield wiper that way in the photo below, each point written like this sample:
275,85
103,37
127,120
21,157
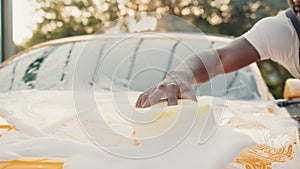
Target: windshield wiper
284,103
231,82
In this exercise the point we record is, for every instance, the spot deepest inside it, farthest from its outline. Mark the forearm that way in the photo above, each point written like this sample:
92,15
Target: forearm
199,68
207,64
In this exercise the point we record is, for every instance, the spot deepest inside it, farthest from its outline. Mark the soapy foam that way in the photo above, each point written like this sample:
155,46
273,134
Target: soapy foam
48,127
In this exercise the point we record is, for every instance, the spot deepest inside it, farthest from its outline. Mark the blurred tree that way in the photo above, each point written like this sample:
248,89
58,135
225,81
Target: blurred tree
274,76
63,18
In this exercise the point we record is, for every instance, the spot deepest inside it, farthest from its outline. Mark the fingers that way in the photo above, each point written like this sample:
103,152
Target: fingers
154,97
143,98
140,100
161,93
170,92
190,96
151,97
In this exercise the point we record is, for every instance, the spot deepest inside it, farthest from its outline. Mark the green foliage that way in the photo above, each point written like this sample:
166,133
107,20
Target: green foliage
275,76
64,18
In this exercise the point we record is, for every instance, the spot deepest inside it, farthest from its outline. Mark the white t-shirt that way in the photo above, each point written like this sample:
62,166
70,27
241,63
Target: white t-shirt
275,38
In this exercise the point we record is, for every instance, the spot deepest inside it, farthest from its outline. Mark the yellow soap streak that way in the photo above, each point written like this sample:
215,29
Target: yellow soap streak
271,110
250,125
239,123
136,143
262,156
33,163
174,112
6,128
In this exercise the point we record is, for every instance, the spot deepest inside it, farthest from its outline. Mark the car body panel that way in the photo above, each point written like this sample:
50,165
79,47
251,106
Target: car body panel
38,82
49,127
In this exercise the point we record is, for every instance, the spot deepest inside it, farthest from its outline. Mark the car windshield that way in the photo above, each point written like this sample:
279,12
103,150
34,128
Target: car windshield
118,65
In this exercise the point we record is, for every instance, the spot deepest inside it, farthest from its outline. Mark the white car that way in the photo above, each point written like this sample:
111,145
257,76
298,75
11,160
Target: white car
69,103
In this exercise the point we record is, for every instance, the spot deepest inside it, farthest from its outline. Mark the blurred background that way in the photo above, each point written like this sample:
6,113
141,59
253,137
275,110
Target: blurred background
36,21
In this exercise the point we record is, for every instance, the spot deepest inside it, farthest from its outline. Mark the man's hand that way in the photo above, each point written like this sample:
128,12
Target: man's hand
174,87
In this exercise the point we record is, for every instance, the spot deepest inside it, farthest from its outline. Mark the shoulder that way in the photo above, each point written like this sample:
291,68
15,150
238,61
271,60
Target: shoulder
279,24
272,36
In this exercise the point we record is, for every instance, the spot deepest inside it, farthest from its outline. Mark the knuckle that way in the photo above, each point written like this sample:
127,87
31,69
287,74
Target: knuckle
173,85
161,86
152,97
141,97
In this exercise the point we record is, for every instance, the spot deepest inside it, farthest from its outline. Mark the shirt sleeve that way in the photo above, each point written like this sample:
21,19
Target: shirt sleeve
271,38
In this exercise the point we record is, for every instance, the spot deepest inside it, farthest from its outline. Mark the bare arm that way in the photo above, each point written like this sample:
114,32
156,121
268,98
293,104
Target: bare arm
199,69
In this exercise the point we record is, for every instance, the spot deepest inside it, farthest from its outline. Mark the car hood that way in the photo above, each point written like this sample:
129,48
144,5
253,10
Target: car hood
226,133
